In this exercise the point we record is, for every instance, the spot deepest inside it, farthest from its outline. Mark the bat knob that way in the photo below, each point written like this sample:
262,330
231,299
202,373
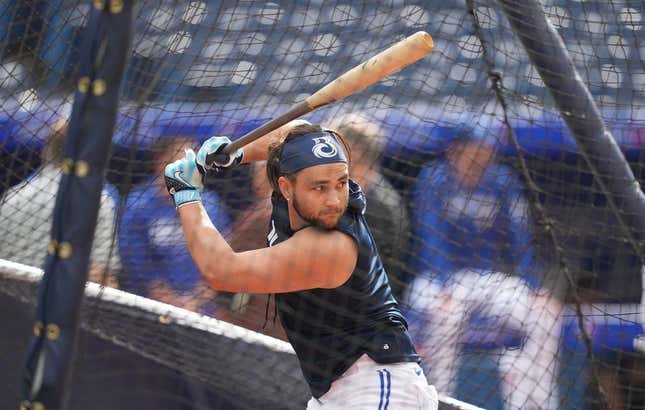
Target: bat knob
216,158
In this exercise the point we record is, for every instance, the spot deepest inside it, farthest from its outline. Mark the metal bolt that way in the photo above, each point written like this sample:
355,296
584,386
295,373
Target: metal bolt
98,87
84,84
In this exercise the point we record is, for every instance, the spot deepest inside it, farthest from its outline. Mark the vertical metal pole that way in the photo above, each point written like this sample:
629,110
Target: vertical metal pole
595,142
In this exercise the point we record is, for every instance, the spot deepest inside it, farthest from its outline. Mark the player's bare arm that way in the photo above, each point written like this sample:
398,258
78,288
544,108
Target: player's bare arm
312,258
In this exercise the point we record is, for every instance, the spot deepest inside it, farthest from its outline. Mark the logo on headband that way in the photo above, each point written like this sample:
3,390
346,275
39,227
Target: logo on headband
324,147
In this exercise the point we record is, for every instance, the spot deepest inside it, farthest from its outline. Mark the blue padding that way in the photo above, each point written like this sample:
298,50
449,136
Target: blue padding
407,136
607,340
612,328
170,120
543,140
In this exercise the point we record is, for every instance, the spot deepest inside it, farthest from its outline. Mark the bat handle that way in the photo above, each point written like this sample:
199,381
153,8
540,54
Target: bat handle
294,112
224,156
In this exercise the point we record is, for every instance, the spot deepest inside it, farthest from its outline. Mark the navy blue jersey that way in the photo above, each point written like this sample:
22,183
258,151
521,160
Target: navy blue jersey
331,328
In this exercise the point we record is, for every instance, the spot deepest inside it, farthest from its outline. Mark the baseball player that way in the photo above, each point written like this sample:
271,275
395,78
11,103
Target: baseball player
332,293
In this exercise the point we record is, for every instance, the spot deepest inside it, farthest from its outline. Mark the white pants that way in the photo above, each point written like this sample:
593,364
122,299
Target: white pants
368,385
529,373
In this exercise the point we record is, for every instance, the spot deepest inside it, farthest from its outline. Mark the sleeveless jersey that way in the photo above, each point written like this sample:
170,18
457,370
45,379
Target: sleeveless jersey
331,328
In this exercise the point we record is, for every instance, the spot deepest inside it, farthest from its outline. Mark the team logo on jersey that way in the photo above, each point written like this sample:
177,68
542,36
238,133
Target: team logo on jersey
324,147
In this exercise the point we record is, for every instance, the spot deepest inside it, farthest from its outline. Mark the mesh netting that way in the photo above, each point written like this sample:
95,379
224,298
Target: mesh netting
495,234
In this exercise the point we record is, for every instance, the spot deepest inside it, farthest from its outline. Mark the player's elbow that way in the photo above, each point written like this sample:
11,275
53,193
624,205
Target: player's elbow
219,271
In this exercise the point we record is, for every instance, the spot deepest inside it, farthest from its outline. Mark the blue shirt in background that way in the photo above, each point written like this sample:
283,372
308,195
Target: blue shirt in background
484,228
151,239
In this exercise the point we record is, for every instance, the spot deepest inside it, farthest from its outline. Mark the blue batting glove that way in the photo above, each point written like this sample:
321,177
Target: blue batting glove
211,157
184,180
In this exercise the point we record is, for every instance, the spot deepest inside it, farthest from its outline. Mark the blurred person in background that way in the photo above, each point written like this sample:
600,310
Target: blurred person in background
155,265
386,213
26,211
475,258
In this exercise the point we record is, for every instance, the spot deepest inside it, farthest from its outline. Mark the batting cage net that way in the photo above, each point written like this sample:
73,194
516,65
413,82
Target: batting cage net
507,219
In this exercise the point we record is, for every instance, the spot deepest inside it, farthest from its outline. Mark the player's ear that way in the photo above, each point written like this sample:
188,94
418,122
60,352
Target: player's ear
286,188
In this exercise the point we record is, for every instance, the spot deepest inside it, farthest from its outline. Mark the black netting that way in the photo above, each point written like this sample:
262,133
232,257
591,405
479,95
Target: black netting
494,228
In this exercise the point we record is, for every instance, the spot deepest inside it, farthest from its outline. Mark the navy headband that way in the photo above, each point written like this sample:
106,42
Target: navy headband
308,150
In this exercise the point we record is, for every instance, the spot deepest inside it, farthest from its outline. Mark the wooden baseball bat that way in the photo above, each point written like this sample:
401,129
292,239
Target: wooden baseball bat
389,61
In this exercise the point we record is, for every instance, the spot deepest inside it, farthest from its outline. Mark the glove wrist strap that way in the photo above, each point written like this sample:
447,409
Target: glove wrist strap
186,196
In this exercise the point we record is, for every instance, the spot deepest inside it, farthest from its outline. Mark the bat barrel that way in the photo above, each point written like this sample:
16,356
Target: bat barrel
389,61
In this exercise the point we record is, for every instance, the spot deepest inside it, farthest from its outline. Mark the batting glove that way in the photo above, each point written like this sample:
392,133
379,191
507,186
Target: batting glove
184,180
211,157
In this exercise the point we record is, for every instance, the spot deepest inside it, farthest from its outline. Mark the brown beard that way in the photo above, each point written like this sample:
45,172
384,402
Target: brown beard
314,220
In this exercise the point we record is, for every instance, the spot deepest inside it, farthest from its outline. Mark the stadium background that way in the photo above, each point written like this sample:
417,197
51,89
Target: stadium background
223,67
